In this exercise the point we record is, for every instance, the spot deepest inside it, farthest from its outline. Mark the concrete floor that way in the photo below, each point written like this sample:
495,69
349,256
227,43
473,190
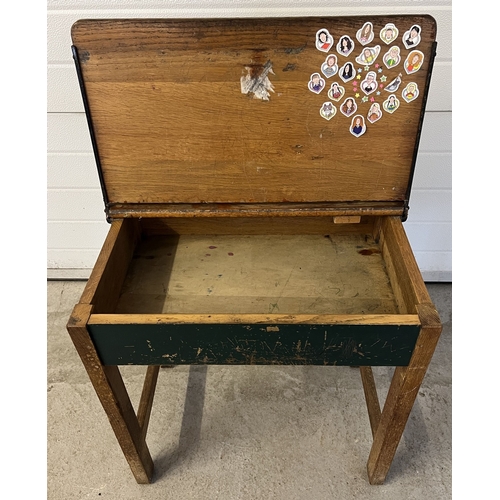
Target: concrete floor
243,432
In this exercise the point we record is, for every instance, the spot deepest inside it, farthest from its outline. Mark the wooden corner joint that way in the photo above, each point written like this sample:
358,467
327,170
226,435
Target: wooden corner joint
79,316
429,317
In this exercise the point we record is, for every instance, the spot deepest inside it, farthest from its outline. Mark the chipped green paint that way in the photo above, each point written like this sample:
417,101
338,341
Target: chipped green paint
259,344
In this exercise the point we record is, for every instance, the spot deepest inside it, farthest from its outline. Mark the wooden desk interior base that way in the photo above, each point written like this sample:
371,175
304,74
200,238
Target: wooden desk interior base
258,274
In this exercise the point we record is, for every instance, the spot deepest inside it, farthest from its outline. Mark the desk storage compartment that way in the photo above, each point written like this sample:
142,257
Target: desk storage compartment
255,291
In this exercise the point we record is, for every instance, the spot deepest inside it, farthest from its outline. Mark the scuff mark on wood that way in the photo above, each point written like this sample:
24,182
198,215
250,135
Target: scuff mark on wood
169,356
84,56
295,50
272,307
257,81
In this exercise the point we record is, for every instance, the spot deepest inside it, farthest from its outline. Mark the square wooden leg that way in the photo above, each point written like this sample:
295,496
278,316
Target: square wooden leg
110,389
401,396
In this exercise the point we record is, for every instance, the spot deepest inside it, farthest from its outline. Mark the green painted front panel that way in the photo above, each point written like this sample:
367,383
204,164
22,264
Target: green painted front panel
230,344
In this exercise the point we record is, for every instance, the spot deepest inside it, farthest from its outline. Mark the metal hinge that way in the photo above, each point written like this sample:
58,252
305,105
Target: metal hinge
406,208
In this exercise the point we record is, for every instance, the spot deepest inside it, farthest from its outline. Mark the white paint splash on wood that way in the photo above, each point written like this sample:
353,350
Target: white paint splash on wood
258,85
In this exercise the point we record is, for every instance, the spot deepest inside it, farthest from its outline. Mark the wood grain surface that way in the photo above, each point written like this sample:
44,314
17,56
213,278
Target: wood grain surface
257,274
173,124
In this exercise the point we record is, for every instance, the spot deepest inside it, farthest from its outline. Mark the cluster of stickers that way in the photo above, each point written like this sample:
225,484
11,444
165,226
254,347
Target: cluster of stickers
365,74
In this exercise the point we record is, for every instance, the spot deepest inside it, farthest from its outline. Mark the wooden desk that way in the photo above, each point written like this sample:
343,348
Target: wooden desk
249,222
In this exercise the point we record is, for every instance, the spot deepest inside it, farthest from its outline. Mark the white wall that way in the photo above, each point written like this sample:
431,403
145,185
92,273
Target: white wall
76,224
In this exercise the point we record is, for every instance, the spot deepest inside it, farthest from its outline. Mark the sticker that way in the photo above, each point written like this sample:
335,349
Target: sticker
336,91
374,113
365,34
324,40
391,104
368,55
347,72
414,61
329,67
394,85
410,92
389,33
316,83
369,84
328,110
393,57
412,37
349,107
358,126
345,46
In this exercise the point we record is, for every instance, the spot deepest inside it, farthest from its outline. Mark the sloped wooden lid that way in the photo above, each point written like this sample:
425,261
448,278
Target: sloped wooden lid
225,110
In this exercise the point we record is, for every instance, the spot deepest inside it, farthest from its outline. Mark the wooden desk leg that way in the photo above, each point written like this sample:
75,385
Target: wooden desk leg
146,402
110,389
401,396
371,397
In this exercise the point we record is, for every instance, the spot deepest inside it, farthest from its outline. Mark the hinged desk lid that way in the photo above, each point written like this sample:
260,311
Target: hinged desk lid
255,110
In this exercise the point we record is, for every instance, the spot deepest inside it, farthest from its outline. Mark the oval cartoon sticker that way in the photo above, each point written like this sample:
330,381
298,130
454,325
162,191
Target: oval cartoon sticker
345,45
365,34
410,92
412,37
336,91
394,85
389,33
324,40
358,126
329,67
392,57
347,72
414,61
391,104
316,83
368,55
327,110
349,107
369,84
374,113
